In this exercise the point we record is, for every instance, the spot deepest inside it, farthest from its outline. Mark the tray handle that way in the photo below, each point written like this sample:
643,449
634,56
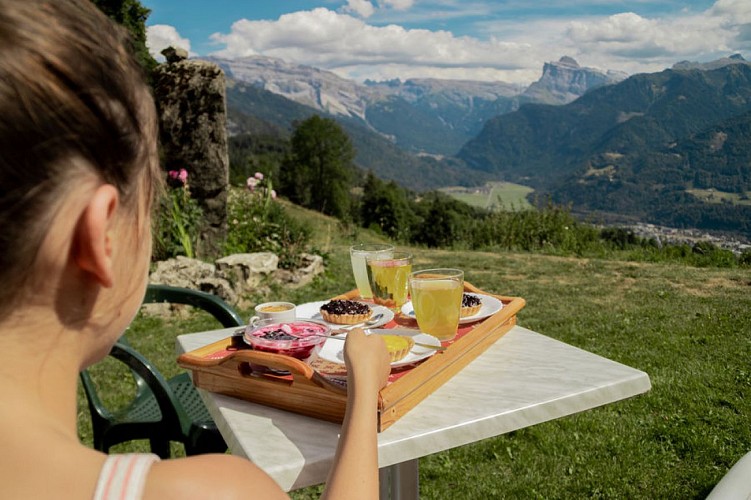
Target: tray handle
275,361
298,369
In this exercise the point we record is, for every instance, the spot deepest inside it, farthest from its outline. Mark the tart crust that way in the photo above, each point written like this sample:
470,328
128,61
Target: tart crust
398,346
345,318
469,309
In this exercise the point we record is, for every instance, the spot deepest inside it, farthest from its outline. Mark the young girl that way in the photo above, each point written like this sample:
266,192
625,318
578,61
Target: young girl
78,170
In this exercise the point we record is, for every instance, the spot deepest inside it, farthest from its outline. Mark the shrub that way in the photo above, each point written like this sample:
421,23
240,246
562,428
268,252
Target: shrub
550,229
619,237
745,258
258,223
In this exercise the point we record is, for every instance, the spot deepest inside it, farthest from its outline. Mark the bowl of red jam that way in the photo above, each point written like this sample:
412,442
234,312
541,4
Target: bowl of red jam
299,339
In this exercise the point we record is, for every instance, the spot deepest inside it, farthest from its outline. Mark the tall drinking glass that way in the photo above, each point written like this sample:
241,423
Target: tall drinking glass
437,300
389,277
358,254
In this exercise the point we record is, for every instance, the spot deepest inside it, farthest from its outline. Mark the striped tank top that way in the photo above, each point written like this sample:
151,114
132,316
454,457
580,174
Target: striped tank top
123,477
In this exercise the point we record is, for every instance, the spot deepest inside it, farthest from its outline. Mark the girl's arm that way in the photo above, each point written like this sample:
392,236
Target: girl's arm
355,470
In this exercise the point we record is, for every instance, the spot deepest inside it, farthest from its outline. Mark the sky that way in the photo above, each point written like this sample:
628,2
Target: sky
489,40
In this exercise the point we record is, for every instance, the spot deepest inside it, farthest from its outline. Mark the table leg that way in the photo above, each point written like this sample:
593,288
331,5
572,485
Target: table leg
400,481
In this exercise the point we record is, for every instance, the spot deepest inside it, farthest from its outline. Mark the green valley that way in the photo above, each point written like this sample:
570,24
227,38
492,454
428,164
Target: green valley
714,196
493,195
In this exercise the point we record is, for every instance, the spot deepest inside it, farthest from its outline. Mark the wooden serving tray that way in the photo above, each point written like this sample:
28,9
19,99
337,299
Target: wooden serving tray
307,389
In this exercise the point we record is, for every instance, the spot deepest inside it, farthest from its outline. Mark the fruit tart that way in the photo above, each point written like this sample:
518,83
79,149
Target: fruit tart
471,305
345,312
398,346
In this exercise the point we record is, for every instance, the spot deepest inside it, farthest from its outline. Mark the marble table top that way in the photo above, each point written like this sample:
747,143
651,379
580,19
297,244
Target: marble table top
525,378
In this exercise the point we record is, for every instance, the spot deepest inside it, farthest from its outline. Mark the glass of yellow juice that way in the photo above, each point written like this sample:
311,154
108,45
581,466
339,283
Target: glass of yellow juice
358,255
437,301
388,278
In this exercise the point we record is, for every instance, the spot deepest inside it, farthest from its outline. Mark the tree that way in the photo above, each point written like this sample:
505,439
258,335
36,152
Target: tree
385,207
132,16
317,172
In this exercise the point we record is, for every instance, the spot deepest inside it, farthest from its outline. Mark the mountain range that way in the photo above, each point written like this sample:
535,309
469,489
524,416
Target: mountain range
671,148
649,148
429,116
267,117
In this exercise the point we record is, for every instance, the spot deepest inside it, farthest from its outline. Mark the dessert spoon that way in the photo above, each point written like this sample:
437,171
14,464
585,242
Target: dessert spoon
419,344
372,321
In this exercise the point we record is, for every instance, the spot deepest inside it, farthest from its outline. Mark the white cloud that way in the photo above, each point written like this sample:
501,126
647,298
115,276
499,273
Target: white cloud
362,8
738,11
365,8
161,36
340,42
633,43
632,40
501,48
735,17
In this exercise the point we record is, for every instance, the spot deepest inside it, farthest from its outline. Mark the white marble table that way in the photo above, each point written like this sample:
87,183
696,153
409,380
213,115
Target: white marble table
523,379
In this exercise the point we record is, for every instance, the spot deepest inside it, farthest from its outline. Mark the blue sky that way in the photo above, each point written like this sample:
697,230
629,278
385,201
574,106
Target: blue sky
506,40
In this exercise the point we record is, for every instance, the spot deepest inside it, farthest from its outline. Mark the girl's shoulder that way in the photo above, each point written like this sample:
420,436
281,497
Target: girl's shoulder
35,465
212,475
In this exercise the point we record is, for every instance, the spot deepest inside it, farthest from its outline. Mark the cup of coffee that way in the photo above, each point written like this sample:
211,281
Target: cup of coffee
278,311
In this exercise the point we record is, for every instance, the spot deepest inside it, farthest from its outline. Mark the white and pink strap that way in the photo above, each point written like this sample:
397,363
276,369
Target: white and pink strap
123,477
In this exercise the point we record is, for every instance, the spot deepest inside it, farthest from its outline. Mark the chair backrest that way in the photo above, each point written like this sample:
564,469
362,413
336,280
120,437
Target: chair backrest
172,412
210,303
147,377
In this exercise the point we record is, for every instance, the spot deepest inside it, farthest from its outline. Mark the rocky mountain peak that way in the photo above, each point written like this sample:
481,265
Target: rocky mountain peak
716,64
319,89
565,80
568,61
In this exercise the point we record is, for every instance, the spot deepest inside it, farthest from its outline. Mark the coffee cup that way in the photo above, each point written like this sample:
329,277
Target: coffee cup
278,311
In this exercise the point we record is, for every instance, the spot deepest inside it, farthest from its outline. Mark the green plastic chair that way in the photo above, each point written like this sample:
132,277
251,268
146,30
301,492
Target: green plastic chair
161,410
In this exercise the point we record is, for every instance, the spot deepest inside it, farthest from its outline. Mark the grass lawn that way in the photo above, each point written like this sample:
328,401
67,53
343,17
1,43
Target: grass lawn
714,196
688,328
505,195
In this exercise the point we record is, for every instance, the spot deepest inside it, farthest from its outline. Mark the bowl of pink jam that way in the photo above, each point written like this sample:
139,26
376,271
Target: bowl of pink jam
299,339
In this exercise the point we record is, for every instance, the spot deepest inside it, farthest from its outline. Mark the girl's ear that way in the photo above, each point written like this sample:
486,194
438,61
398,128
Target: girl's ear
92,244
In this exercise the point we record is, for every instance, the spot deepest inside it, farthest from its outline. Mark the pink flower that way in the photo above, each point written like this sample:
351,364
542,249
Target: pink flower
259,176
273,194
177,178
251,183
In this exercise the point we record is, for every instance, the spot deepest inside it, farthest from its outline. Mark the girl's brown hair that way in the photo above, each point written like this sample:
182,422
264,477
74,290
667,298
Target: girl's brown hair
71,94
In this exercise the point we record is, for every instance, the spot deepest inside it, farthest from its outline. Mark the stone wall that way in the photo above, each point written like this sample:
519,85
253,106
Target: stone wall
237,278
191,103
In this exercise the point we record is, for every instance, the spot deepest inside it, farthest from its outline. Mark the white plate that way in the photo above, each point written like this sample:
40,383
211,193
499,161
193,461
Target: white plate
490,306
311,310
333,350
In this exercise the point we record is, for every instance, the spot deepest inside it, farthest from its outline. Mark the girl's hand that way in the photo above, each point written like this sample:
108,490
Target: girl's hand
368,362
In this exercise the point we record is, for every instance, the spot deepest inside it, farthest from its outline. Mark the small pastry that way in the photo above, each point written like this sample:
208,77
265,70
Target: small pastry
345,312
471,305
398,346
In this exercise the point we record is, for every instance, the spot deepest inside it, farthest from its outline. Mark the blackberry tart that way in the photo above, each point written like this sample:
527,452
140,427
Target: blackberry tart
471,305
345,312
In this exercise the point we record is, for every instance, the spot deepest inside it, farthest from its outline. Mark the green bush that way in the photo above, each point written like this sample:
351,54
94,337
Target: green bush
258,223
745,258
550,229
